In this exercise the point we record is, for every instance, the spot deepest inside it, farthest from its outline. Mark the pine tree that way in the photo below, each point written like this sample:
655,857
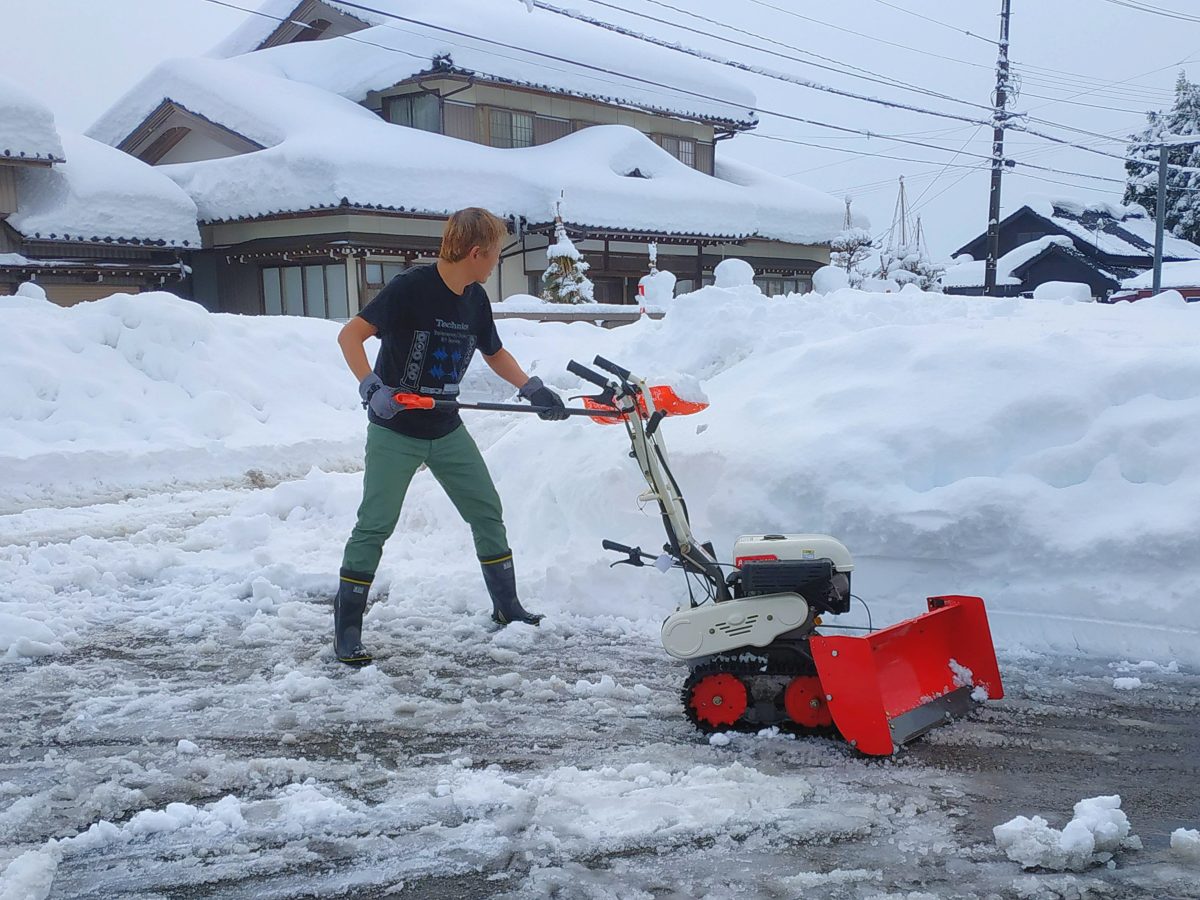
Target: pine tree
564,280
905,259
850,248
1183,205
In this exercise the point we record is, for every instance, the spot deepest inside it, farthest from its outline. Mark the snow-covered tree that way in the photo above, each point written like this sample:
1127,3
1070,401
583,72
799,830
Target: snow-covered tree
850,249
564,280
1183,196
905,259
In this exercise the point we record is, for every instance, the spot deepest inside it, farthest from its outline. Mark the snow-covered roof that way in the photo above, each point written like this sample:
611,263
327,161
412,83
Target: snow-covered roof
102,194
1111,228
504,40
1174,275
26,126
970,272
326,151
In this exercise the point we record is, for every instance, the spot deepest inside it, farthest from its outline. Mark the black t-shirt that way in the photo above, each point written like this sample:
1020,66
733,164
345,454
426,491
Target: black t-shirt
429,335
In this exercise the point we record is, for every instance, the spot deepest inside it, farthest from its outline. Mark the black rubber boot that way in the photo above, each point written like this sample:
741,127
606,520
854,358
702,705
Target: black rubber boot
501,580
348,608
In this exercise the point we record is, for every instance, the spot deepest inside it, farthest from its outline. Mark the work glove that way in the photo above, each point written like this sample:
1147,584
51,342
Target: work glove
378,397
539,395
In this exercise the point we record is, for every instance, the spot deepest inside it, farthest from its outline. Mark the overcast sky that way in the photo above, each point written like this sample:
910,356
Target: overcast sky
80,55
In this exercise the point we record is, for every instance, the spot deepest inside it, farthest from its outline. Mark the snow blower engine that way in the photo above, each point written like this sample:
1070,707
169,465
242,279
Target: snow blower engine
756,657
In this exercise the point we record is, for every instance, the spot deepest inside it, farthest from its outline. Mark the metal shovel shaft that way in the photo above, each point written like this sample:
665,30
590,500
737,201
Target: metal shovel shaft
415,401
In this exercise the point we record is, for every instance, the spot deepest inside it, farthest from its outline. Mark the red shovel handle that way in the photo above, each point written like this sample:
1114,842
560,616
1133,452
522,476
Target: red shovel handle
414,401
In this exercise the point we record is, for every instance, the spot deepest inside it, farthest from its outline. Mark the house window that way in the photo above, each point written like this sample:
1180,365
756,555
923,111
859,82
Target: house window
377,275
421,111
610,290
547,129
510,129
317,291
683,149
461,121
779,285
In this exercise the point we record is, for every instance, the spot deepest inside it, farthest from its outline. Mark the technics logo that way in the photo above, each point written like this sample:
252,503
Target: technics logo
456,326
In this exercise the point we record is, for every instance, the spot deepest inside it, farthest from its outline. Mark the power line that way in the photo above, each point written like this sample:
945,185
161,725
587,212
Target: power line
745,67
851,150
953,28
672,90
1147,8
868,75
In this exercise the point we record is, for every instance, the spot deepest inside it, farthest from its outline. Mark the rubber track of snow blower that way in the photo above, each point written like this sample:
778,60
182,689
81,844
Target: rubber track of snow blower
765,691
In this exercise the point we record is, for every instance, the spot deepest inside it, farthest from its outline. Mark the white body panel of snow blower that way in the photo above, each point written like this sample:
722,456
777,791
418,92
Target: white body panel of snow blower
724,627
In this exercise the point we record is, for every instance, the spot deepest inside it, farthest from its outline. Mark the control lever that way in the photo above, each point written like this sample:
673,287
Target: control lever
635,554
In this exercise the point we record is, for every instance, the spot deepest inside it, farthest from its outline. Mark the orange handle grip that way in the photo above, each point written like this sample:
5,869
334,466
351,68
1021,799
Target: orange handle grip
414,401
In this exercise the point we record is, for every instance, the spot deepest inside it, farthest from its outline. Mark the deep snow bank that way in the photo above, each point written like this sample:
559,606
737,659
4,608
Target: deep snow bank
132,392
1038,454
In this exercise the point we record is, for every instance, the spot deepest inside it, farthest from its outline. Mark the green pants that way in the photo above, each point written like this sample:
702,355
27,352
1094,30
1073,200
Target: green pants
392,460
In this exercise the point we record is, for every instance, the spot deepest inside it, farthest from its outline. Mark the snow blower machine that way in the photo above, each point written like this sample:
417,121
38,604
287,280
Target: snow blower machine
752,644
756,656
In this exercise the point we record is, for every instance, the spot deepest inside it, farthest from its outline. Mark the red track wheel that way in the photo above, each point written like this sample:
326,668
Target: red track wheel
718,700
804,700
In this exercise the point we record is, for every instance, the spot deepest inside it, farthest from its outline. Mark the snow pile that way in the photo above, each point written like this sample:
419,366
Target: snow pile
828,279
1185,843
967,272
657,288
1038,455
511,46
1112,228
149,389
26,125
733,273
1072,291
1166,298
31,875
100,194
1098,829
1174,275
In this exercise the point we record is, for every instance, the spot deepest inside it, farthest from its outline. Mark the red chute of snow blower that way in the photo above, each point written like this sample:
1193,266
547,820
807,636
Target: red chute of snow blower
893,685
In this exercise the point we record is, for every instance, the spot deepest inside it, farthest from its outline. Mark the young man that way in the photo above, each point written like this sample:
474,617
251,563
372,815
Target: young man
430,321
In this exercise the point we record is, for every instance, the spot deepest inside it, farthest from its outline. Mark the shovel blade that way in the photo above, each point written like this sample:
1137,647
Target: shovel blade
893,685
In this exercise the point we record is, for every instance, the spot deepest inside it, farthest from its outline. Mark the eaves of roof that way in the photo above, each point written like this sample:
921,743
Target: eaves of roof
578,228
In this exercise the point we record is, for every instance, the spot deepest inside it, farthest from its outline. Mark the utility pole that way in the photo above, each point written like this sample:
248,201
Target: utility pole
999,116
1161,216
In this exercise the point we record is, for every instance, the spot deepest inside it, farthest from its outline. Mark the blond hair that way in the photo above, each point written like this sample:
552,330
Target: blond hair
470,227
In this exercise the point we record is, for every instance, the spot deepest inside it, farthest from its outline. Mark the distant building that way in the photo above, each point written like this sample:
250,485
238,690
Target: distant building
81,219
324,145
1183,277
1098,244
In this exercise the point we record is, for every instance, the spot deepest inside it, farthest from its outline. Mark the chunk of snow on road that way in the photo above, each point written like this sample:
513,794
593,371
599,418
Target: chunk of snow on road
1098,829
1185,843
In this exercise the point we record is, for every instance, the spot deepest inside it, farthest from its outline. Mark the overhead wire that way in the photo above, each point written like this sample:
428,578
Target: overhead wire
1147,8
745,67
953,28
676,90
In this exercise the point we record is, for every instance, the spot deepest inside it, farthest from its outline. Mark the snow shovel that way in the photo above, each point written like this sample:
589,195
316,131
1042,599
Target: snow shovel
893,685
416,401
